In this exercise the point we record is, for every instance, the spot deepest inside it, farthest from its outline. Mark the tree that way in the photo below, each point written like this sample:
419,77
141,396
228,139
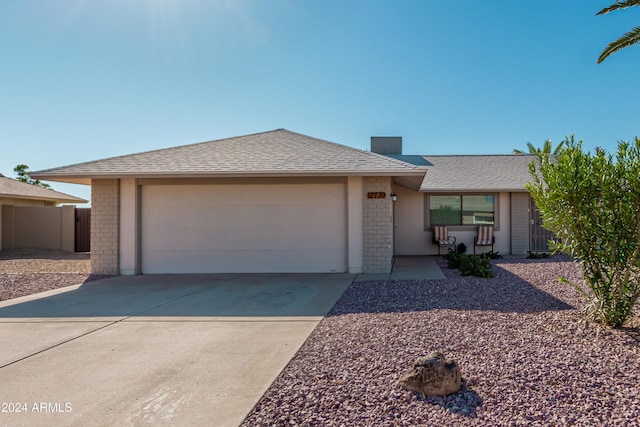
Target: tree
592,204
627,39
546,148
23,176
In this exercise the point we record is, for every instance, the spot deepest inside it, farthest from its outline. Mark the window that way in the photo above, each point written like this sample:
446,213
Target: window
461,209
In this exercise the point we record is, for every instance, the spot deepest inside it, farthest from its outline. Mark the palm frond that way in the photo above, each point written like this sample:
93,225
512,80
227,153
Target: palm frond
619,5
628,39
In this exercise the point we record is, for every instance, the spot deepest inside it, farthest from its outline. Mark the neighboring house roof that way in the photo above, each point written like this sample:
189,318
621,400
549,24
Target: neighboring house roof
275,153
13,189
507,172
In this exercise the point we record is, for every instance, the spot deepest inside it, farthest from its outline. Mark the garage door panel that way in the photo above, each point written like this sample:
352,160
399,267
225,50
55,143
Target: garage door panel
245,239
232,216
232,261
221,195
243,228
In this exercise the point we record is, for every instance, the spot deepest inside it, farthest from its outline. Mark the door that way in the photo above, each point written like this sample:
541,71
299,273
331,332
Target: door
83,230
539,235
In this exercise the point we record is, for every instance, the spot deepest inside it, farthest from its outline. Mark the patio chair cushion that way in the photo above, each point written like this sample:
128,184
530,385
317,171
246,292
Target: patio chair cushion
485,236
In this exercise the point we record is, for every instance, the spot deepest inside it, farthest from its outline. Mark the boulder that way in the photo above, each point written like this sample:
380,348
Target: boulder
432,375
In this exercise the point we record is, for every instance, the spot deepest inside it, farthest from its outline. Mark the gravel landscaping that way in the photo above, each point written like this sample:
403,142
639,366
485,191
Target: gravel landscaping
29,271
526,353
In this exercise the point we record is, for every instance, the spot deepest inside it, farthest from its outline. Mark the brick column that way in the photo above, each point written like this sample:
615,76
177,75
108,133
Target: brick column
105,215
377,226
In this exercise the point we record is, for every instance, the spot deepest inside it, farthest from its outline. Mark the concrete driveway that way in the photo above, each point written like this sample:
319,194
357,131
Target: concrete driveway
162,350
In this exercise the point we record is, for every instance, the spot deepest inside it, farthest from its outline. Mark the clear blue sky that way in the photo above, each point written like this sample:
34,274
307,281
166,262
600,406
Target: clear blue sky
83,80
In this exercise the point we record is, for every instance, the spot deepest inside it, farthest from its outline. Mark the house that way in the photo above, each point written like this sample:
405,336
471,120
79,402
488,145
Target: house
280,201
21,219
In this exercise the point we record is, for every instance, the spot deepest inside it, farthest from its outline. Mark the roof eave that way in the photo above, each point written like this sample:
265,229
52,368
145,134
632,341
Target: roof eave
86,178
70,199
473,190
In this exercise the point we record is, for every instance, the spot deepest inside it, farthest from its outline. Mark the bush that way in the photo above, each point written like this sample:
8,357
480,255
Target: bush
453,259
470,264
474,265
592,204
537,255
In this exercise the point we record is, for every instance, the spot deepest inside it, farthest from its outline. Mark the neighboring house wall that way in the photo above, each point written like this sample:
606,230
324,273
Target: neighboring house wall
38,227
520,221
19,202
413,236
377,226
105,216
24,202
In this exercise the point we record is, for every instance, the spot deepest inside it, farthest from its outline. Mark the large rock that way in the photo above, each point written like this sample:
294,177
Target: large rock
433,375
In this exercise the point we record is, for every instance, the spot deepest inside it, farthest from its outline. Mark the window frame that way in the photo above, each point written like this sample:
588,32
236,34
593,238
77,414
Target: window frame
461,227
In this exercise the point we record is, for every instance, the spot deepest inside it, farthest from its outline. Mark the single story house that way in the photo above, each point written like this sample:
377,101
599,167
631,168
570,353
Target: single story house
35,226
280,201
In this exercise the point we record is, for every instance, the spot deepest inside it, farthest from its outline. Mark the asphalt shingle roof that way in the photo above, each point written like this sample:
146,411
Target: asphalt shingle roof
508,172
278,152
21,190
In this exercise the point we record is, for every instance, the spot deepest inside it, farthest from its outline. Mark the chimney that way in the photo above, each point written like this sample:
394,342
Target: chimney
387,145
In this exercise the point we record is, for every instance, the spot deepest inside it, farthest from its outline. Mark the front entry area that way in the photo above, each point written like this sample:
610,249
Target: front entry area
243,228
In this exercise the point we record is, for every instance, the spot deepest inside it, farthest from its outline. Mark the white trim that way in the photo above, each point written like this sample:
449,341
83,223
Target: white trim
354,224
128,227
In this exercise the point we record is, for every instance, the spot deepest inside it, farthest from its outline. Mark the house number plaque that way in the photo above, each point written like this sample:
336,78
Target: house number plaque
376,195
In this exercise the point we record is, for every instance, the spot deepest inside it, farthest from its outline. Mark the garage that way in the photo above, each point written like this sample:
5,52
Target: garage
243,228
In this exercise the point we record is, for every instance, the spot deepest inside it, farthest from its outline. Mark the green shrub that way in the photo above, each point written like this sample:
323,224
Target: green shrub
537,255
493,255
592,204
453,259
474,265
470,264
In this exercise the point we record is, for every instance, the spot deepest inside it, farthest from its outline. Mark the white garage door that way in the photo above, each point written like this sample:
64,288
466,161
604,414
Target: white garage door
252,228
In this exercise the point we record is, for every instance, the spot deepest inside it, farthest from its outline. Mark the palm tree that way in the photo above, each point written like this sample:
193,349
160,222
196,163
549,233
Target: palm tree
546,148
627,39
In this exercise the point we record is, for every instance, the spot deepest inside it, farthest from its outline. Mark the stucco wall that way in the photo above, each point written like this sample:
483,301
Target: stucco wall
411,238
377,226
105,215
17,202
38,227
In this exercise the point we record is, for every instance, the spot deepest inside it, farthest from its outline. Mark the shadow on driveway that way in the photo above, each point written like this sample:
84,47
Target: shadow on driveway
213,295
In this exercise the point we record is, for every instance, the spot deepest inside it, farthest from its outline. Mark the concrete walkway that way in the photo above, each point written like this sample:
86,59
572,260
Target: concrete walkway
161,350
409,268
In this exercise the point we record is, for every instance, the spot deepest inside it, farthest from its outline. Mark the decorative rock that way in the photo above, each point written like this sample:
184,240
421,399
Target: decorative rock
433,375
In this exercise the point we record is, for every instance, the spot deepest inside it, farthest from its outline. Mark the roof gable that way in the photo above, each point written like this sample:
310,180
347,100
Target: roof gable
279,152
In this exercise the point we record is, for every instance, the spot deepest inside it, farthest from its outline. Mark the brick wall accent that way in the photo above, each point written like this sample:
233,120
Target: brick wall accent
377,226
105,215
519,223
